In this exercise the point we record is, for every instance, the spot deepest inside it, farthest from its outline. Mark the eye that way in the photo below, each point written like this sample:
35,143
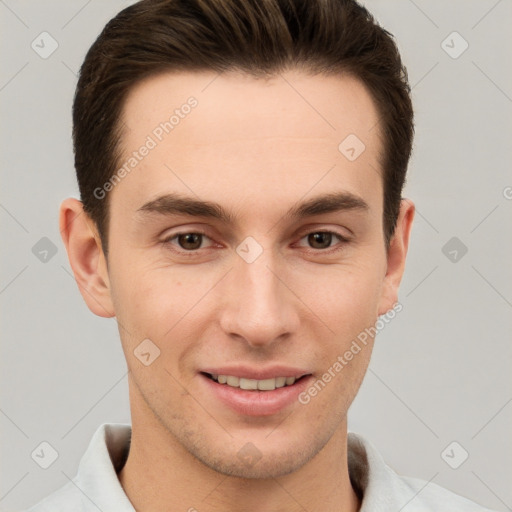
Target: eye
190,241
323,239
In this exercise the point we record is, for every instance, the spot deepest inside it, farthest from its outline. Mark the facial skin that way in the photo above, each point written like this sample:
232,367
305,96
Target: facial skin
258,149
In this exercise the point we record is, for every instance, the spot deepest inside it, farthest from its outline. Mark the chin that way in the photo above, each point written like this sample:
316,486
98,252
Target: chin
261,465
258,457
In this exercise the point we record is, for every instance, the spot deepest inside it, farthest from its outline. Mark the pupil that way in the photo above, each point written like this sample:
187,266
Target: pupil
320,240
190,240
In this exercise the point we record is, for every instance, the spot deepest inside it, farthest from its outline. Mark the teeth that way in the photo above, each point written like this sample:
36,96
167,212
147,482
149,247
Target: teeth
280,382
233,381
248,383
267,384
253,384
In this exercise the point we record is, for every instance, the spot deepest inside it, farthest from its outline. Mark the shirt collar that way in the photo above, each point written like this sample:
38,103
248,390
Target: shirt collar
377,484
97,471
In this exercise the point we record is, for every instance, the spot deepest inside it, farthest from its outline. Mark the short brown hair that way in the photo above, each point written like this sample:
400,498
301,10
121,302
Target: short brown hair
258,37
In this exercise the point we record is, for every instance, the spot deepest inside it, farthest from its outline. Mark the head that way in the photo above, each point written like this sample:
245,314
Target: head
240,167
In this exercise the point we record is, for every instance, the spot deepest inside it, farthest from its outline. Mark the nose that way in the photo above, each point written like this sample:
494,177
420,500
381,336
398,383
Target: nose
257,305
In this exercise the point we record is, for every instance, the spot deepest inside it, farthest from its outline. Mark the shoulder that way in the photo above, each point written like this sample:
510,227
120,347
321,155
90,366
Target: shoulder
382,489
64,499
430,497
96,485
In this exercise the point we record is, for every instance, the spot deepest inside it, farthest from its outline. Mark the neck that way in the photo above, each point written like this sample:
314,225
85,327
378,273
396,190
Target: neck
160,475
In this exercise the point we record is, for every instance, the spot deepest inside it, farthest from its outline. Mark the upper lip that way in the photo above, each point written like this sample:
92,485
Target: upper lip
257,373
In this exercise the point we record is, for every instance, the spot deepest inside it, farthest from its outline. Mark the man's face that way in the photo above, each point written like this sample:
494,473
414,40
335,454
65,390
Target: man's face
257,294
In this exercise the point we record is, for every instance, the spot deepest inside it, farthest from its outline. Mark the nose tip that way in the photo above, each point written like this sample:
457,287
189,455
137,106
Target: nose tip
257,307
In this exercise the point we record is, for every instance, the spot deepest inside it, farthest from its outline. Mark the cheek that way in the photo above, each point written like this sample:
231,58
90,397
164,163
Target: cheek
143,298
156,305
158,302
344,299
347,306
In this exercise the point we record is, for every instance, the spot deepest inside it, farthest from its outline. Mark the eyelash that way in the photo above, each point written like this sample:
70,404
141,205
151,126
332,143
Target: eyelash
342,241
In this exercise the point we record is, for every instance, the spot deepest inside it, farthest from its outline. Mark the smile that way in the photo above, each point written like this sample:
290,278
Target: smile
253,384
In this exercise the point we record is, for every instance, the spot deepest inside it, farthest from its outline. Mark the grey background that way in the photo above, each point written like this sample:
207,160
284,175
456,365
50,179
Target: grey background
440,371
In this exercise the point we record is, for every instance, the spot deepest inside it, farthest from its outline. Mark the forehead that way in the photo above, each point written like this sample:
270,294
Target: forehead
210,134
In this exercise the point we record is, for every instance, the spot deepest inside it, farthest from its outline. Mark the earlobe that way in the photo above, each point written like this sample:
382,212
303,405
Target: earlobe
396,256
86,257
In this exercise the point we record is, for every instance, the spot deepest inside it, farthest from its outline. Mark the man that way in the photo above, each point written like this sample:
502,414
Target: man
240,166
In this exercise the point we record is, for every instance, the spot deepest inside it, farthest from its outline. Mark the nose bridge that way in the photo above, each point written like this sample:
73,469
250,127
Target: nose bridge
257,305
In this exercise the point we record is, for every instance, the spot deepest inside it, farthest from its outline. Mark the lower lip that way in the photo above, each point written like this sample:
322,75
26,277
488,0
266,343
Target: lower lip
255,402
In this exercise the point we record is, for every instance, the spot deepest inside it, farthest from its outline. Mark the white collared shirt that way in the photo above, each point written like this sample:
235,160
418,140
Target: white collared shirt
96,486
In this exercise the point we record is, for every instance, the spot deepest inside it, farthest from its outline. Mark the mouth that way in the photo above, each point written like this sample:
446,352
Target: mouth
248,396
248,384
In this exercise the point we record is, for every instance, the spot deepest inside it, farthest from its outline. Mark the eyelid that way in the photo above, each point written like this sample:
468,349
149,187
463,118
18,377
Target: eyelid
322,227
314,229
186,232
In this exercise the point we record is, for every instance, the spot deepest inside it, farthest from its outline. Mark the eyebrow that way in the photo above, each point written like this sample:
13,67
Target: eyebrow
176,204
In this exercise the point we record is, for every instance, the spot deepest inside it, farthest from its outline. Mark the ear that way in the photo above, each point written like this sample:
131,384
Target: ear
86,257
396,256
